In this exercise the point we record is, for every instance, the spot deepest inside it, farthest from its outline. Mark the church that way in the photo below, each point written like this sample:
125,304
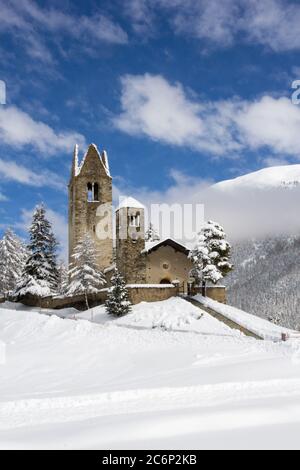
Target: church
90,212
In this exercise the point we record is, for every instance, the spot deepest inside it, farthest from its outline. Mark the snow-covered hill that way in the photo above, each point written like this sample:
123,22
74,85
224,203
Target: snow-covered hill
268,178
187,383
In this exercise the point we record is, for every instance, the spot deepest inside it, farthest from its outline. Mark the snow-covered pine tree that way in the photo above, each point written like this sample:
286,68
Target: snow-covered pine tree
63,280
12,259
211,255
118,303
40,273
85,276
151,234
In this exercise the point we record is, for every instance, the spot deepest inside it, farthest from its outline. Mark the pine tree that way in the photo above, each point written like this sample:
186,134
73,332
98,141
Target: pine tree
118,303
40,273
85,277
12,259
63,280
211,255
151,234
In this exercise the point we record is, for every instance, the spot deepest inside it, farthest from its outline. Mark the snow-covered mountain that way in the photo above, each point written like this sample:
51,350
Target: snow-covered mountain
267,178
260,212
258,205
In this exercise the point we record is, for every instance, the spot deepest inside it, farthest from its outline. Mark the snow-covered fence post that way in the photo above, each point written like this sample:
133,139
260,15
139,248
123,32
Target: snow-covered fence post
284,337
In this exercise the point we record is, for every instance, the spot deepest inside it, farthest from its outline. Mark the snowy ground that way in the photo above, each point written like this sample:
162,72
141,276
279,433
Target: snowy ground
159,378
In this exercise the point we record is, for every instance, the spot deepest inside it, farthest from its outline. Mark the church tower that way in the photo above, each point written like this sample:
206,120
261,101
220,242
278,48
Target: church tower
130,231
90,204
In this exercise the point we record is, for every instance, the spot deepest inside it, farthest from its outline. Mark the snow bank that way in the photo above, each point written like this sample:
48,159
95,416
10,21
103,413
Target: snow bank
174,314
263,328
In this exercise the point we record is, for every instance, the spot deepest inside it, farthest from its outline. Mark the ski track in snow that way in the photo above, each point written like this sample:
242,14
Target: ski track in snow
75,408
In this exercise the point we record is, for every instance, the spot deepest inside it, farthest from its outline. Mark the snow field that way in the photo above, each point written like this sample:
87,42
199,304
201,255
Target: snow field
160,377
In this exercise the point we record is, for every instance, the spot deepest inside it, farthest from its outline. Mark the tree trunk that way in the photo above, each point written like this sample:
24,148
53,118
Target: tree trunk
203,288
86,301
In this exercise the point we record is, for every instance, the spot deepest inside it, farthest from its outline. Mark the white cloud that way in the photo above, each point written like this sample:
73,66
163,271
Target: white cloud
13,171
154,107
27,21
271,23
245,210
271,122
19,129
162,111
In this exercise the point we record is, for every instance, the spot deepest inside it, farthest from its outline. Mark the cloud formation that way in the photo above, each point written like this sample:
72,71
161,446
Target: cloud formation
18,129
13,171
163,111
253,206
28,21
274,24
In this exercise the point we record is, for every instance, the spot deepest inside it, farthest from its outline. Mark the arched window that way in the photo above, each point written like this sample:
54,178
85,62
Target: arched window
135,220
90,192
93,192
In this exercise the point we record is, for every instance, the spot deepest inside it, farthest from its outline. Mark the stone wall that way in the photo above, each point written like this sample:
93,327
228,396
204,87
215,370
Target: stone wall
151,294
137,294
217,293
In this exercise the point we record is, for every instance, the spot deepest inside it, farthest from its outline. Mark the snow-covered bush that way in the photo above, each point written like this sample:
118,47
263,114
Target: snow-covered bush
211,254
118,303
40,273
85,277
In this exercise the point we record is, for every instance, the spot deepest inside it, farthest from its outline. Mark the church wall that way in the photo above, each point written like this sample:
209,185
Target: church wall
167,263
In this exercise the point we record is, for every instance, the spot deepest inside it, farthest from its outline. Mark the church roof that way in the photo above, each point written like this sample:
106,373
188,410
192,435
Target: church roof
152,246
93,147
130,202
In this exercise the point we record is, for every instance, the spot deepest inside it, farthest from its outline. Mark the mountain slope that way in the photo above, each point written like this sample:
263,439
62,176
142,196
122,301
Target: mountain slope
268,178
266,279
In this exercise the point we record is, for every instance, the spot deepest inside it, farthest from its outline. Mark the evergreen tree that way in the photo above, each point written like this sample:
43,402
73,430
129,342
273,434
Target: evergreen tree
63,280
151,234
40,273
85,277
118,303
12,259
211,255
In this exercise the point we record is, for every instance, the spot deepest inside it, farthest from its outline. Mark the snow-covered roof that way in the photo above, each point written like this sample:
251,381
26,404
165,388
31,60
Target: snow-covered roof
130,202
151,246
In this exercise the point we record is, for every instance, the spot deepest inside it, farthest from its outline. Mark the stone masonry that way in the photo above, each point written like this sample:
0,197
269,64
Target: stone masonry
92,215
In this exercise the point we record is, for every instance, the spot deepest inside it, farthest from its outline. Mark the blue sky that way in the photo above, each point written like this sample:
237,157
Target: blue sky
178,92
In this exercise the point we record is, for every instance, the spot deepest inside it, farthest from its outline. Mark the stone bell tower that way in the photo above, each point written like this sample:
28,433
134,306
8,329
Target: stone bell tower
90,204
130,231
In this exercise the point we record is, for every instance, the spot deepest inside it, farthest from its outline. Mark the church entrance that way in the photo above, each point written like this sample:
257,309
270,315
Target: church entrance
165,281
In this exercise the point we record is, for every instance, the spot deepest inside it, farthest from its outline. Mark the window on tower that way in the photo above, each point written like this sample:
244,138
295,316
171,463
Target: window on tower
93,192
96,192
90,192
135,220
